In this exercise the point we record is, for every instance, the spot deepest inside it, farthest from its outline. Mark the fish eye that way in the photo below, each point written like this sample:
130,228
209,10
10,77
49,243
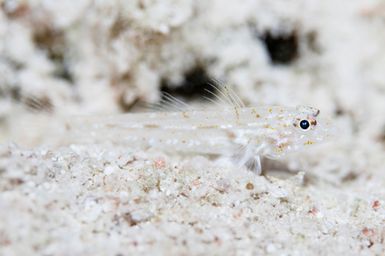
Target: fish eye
304,124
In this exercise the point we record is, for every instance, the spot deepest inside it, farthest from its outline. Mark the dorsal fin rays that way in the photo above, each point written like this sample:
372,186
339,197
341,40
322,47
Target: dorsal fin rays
168,103
220,101
220,95
225,95
233,98
35,104
236,97
177,102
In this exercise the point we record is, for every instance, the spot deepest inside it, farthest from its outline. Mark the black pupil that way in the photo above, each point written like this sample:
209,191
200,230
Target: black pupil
304,124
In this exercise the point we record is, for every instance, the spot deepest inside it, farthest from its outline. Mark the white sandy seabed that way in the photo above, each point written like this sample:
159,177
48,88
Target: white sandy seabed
108,199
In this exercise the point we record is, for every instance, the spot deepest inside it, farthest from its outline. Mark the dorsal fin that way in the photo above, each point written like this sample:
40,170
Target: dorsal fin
224,95
168,103
37,104
221,94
